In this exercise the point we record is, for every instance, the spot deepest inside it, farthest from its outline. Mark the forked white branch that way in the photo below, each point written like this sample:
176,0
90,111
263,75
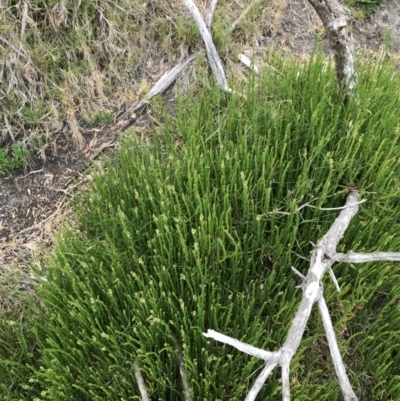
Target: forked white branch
323,257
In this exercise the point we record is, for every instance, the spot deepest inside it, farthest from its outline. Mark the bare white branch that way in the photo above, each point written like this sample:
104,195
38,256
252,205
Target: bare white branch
248,349
212,54
269,367
315,207
140,382
182,371
248,63
352,257
210,13
344,382
125,117
333,278
327,208
285,382
298,273
168,78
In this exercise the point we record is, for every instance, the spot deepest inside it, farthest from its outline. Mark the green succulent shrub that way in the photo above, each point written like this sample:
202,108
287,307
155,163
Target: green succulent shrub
198,231
14,159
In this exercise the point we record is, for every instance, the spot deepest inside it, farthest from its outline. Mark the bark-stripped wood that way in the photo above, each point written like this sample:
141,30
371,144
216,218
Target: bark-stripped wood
212,54
323,257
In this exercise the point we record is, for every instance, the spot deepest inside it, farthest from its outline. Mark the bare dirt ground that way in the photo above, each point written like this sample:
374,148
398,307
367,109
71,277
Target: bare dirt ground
34,200
300,28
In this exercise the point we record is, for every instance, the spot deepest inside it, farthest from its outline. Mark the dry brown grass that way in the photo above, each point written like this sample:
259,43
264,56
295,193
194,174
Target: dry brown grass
63,63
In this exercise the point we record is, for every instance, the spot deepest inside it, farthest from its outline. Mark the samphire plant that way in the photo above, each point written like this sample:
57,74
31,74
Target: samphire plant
199,229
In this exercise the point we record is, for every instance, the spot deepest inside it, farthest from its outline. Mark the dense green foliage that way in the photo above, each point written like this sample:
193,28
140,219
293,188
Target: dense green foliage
187,234
14,159
369,6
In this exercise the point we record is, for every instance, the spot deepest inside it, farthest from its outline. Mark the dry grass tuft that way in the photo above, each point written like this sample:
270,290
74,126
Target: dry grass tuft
63,61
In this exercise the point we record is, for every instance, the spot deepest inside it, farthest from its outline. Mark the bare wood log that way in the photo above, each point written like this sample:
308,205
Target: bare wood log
335,18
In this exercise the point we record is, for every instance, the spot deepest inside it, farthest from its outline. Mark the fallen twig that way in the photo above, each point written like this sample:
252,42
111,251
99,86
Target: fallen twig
125,118
315,207
210,13
31,172
248,63
168,78
329,208
352,257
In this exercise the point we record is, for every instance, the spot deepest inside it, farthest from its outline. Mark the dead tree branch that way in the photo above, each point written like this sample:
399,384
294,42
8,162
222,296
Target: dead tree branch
340,369
127,116
210,13
352,257
212,54
248,63
140,382
182,370
335,18
323,257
